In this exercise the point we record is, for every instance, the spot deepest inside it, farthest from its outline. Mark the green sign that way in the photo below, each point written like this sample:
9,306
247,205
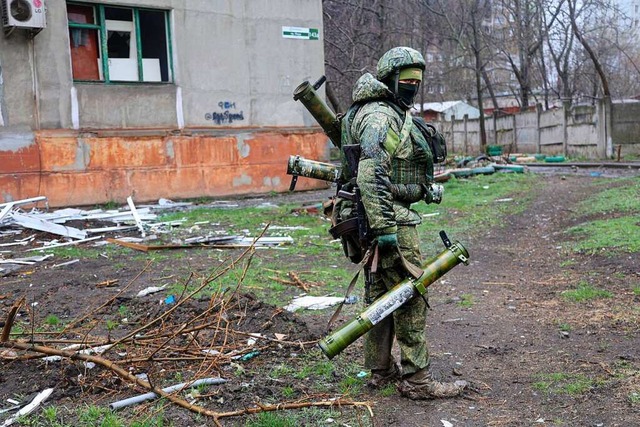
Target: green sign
301,33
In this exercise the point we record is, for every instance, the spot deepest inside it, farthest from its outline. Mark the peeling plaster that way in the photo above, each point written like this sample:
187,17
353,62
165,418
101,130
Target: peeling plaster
268,181
7,197
15,142
243,148
171,152
241,180
83,157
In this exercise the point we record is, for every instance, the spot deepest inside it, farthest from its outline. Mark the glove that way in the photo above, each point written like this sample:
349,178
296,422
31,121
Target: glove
387,241
409,193
433,193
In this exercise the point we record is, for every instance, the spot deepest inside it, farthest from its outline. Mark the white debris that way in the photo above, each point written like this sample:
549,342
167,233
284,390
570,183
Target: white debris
446,423
312,303
150,290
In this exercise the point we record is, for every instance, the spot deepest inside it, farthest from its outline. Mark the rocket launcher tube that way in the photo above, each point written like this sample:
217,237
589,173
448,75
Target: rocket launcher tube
409,288
299,166
306,93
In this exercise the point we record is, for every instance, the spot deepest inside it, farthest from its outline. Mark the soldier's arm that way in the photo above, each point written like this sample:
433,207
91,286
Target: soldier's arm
375,133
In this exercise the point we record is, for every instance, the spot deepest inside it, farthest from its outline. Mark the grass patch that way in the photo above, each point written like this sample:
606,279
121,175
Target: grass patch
625,198
562,383
619,234
466,300
585,292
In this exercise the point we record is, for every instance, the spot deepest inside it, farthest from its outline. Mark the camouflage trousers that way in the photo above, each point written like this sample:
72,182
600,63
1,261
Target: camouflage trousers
407,323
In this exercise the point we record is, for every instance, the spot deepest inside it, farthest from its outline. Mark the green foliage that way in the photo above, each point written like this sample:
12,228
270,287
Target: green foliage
562,383
636,290
52,320
273,419
466,300
634,398
288,392
564,327
624,198
618,234
350,386
388,390
585,292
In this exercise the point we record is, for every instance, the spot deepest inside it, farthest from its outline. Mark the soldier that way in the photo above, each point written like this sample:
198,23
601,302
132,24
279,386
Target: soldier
395,170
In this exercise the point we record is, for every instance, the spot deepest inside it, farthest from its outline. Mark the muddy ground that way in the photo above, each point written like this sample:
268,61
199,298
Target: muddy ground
533,357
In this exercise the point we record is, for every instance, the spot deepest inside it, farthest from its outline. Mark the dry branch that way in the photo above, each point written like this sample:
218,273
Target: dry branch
6,330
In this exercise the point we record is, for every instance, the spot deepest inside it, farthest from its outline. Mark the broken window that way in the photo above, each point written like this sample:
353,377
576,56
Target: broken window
119,44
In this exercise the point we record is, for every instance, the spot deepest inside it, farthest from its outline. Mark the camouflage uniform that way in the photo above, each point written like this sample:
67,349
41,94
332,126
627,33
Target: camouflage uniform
391,157
395,170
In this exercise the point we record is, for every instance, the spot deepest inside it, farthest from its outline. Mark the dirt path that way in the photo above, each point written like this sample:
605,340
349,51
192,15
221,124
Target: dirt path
510,337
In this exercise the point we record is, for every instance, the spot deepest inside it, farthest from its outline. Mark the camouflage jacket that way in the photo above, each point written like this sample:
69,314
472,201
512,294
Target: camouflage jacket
393,154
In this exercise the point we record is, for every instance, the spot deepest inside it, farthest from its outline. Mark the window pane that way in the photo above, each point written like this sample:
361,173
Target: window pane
80,14
84,53
119,44
153,35
118,14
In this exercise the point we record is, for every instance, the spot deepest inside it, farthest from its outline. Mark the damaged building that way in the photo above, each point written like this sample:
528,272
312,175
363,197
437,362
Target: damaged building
107,99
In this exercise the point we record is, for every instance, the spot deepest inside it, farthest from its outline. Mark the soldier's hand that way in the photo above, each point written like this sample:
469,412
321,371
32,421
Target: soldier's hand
387,242
433,193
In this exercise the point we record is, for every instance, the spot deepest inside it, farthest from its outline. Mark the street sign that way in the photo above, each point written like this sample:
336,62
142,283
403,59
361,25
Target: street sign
300,33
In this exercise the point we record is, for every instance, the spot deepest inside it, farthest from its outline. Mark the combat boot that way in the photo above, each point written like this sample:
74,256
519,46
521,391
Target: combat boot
422,386
382,377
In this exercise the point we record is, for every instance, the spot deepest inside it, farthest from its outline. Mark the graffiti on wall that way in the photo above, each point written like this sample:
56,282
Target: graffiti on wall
228,113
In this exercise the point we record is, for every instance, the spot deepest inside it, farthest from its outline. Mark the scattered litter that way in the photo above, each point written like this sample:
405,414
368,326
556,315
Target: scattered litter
150,396
32,222
280,337
65,263
170,300
136,217
57,245
509,199
40,397
92,350
249,356
253,339
150,290
312,303
446,423
362,374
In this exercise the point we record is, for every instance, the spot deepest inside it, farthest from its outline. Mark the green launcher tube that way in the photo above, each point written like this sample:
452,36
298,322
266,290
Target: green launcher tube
299,166
327,119
409,288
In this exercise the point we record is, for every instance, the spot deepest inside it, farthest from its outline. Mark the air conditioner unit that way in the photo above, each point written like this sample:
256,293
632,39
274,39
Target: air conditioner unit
26,14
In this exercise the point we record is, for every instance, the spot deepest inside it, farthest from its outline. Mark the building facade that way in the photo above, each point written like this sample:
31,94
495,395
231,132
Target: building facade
155,98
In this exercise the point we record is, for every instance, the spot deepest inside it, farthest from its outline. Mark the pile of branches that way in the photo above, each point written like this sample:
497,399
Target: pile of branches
200,344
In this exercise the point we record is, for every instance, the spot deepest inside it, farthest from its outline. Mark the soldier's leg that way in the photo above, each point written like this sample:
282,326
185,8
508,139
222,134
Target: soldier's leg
410,324
410,319
379,340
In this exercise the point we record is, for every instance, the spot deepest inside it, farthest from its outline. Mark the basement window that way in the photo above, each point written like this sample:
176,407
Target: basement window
119,44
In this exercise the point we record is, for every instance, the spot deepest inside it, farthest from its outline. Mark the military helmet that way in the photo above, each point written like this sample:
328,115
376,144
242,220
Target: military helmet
397,58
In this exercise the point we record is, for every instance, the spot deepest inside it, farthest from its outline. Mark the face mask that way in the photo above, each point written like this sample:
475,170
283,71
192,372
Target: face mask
406,93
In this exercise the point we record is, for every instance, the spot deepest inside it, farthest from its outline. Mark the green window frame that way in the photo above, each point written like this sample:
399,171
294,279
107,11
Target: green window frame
147,34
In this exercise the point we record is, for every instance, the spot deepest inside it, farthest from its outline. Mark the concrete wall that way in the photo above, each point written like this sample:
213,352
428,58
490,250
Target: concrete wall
228,56
581,131
625,130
